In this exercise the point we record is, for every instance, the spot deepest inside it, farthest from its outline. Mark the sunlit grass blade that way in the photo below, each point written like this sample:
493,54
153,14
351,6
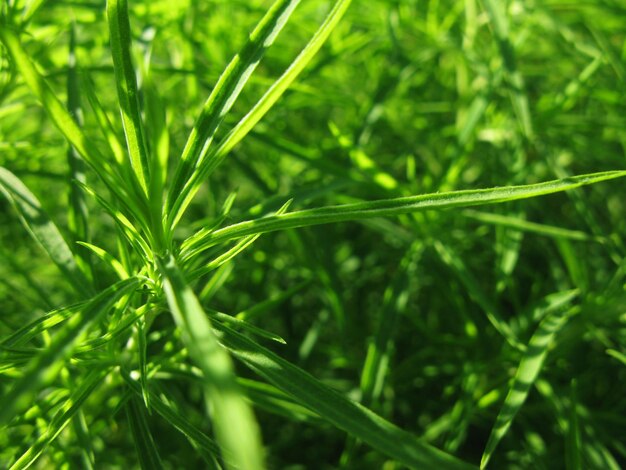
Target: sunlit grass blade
147,451
65,123
126,80
229,254
259,110
529,368
126,227
235,425
226,91
68,412
235,323
398,206
353,418
43,230
108,259
44,367
29,331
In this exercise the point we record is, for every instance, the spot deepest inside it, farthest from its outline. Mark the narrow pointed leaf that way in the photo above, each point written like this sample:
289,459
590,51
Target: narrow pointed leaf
234,421
353,418
401,205
45,366
528,370
258,111
226,91
43,230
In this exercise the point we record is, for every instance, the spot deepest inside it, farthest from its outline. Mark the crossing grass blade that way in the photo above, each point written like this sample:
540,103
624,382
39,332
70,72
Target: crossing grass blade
45,366
278,88
235,425
398,206
43,230
529,368
330,405
227,90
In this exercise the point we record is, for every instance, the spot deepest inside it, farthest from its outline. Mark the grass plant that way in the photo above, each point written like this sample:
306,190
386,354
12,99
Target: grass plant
322,234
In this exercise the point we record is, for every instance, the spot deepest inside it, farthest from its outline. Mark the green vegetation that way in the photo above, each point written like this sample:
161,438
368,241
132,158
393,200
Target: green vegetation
308,235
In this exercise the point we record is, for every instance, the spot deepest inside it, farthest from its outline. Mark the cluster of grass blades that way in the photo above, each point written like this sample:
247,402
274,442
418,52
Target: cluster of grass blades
118,341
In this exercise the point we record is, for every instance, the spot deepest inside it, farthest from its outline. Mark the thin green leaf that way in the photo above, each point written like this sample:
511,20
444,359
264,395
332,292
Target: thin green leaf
42,228
229,254
44,367
234,421
206,167
226,91
126,80
353,418
65,123
528,370
398,206
108,259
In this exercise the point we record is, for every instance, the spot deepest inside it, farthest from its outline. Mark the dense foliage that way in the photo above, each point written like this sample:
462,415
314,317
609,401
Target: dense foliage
319,234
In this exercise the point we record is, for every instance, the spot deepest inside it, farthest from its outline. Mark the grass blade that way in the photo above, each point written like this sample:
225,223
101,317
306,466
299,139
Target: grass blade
257,112
65,123
126,80
45,366
234,421
226,91
43,230
527,372
335,408
398,206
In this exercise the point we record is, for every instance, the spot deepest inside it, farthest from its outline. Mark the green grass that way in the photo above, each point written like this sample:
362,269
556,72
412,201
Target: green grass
322,234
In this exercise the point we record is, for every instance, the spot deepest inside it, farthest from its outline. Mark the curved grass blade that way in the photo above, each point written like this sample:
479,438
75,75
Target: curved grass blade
108,259
45,366
226,91
62,419
43,230
231,253
41,324
527,372
235,425
398,206
330,405
206,167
